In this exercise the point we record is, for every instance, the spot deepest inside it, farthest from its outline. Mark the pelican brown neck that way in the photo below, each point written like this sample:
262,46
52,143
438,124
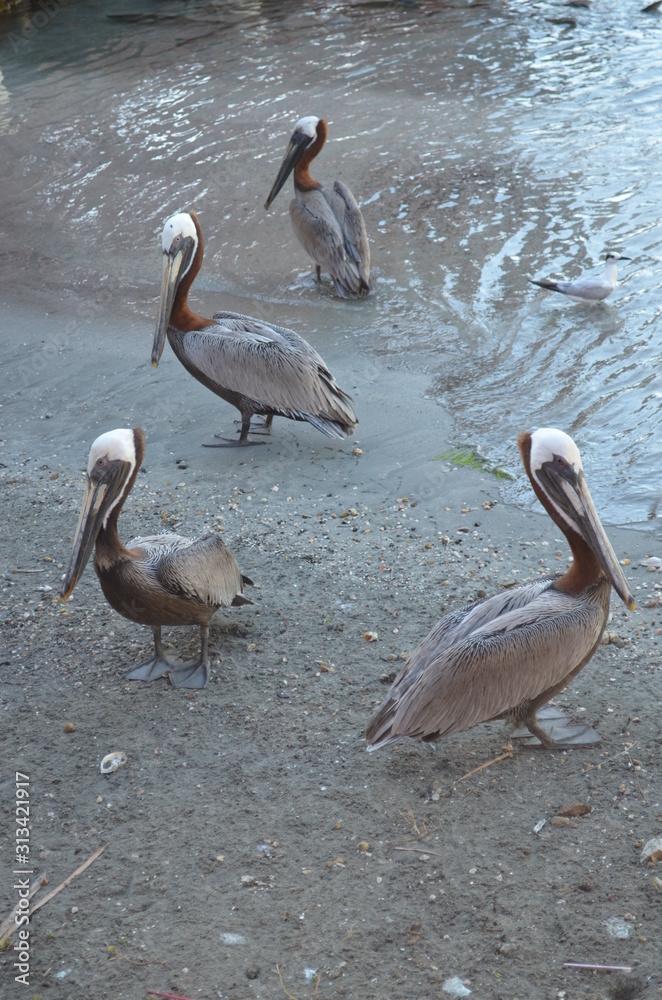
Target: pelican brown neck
559,483
181,316
110,527
182,237
585,567
302,178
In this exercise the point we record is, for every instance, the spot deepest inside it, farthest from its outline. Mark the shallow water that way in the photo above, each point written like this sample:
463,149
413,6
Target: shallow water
486,142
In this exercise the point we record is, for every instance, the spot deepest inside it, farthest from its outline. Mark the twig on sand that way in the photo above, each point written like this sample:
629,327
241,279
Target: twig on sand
419,850
632,765
170,996
481,767
86,864
597,968
27,571
288,995
598,767
116,953
9,925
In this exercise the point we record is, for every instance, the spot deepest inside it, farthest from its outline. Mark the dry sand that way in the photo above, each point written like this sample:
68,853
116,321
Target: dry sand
254,848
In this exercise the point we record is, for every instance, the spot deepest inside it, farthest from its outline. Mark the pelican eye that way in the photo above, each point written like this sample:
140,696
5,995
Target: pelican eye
100,462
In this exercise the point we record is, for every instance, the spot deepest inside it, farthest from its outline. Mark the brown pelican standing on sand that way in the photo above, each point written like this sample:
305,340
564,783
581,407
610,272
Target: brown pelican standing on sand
256,366
161,580
504,657
328,223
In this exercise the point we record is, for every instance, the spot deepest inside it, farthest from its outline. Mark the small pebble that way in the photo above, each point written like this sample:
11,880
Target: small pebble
69,727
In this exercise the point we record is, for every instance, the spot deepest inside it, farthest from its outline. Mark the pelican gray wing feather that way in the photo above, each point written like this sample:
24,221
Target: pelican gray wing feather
255,331
202,569
480,663
330,228
353,227
269,372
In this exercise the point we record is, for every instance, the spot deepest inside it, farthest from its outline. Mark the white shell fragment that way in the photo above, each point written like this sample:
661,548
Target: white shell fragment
455,987
112,761
618,928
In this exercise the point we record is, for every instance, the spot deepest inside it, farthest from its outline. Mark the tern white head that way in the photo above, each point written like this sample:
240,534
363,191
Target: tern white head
588,289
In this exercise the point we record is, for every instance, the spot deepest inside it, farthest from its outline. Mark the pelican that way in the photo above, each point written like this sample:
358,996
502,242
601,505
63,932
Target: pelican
161,580
504,657
327,223
588,290
257,366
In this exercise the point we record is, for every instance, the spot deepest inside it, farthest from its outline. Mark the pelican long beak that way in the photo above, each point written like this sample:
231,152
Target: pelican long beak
571,493
292,157
173,263
101,490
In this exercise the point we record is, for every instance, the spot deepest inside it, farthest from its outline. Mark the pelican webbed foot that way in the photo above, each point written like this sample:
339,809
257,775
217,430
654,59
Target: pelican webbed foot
158,666
196,673
190,675
550,730
222,442
259,427
242,441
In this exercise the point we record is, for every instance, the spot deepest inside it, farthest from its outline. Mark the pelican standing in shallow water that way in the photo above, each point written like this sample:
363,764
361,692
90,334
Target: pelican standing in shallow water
328,223
504,657
588,290
161,580
258,367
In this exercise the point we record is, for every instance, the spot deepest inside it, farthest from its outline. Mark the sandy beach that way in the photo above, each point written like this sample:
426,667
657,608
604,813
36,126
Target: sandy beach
254,848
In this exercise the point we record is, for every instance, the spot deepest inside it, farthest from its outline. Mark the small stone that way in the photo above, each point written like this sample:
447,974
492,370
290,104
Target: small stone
252,972
576,809
357,451
69,727
560,821
363,845
652,851
508,948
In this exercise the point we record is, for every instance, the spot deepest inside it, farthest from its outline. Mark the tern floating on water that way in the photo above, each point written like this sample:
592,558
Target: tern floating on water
328,223
258,367
160,580
589,290
505,657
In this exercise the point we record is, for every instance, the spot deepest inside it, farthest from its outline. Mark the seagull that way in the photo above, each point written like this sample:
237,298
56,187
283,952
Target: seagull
590,290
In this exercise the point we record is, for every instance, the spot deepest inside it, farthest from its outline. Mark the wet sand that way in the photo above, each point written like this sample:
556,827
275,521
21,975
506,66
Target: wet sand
253,844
